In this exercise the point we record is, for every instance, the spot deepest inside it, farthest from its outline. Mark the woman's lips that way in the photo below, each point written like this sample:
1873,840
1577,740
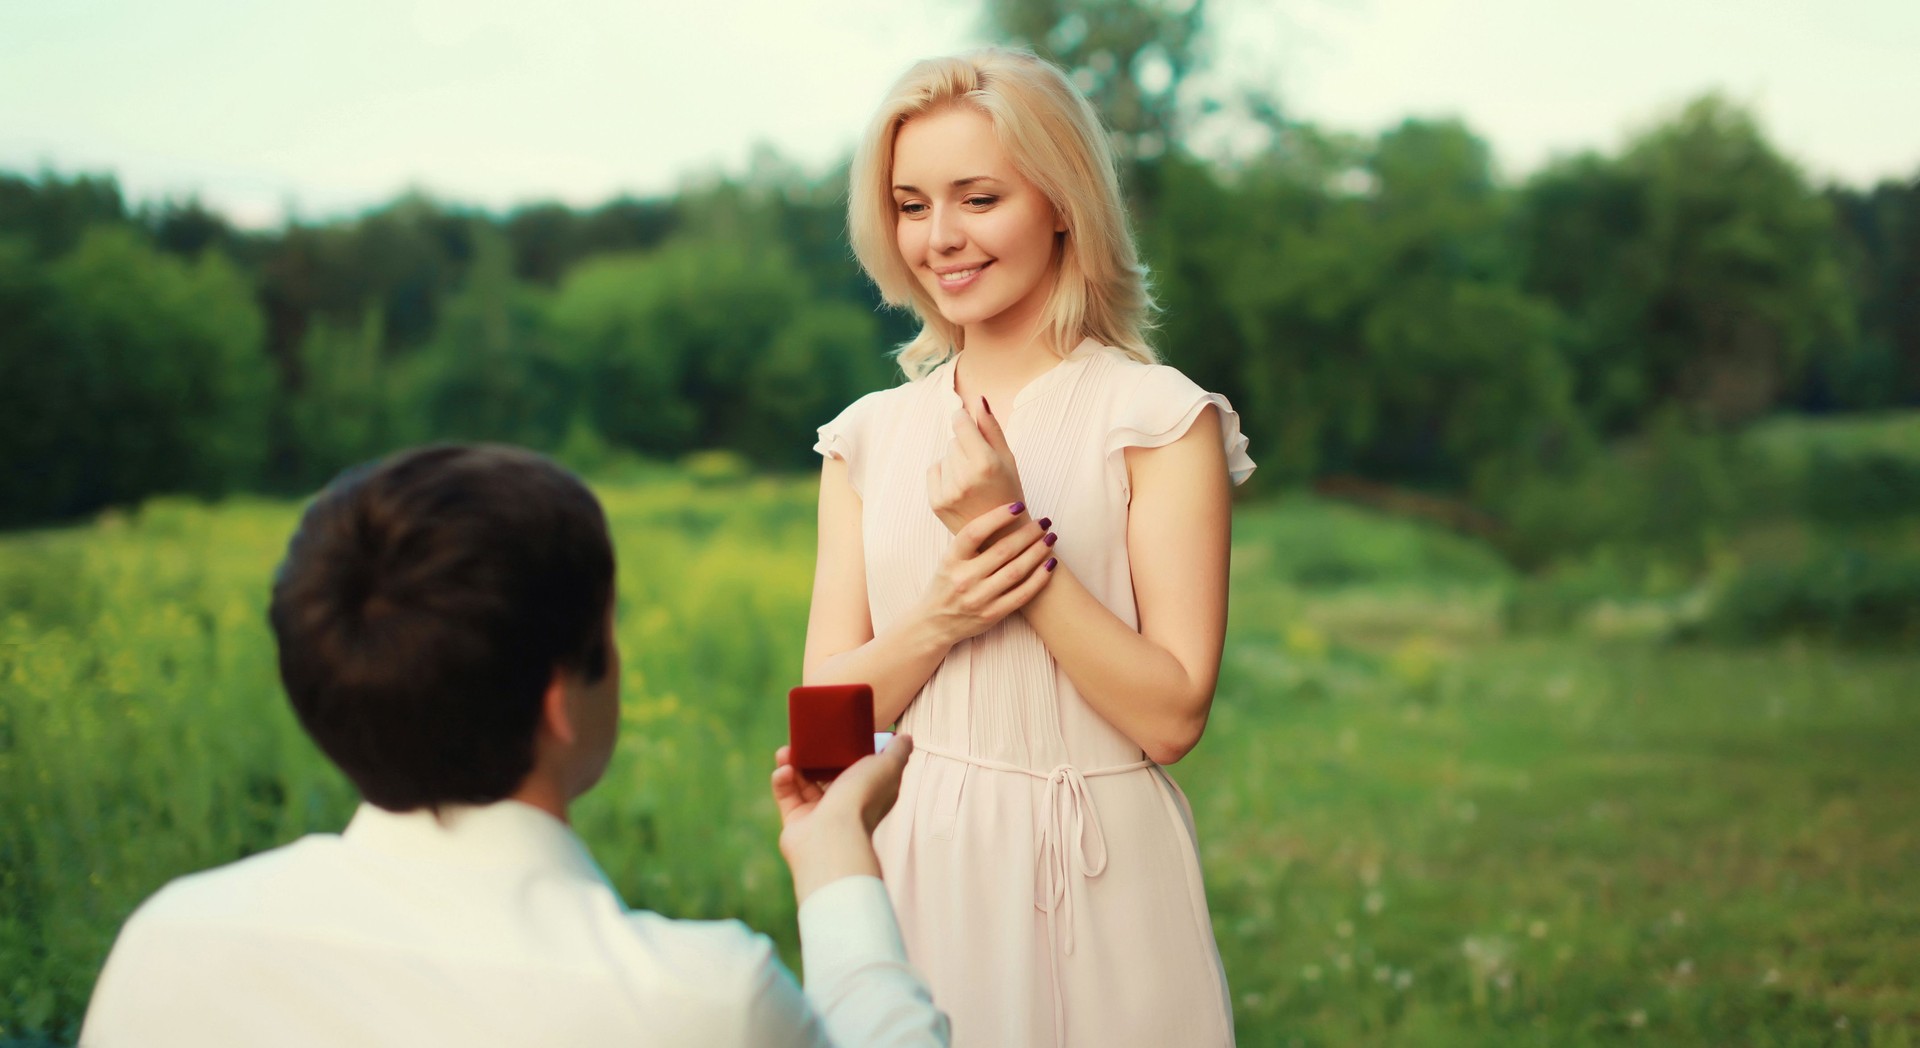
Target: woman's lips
962,278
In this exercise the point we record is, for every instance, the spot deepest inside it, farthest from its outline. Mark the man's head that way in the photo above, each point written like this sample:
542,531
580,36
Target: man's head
434,608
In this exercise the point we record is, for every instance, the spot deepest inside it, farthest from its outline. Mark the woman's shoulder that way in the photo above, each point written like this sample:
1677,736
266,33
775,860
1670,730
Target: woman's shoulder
1131,380
881,401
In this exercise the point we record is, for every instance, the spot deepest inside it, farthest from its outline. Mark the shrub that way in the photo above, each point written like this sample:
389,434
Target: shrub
1849,595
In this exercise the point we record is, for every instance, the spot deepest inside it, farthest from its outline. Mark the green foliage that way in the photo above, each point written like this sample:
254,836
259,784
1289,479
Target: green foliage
51,213
706,344
1129,57
1879,234
1837,593
1413,828
345,410
124,372
1379,328
1796,527
1699,268
1316,544
143,733
1382,306
493,369
1674,491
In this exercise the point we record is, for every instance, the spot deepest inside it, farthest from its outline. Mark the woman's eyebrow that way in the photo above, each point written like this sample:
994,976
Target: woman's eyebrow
956,183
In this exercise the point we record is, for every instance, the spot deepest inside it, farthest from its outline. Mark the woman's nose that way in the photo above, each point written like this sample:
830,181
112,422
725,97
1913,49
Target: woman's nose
947,234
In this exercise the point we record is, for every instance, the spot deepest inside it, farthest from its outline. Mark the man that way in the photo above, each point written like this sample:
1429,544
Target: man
444,623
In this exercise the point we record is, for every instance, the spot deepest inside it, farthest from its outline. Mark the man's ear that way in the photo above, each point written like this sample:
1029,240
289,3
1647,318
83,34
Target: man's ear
556,711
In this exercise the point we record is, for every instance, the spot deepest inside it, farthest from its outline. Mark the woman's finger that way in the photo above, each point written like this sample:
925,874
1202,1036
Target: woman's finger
1006,549
1019,596
1024,560
968,540
936,483
990,431
966,437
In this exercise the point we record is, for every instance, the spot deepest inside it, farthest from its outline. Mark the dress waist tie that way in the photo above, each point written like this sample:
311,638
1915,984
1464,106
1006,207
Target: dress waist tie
1070,841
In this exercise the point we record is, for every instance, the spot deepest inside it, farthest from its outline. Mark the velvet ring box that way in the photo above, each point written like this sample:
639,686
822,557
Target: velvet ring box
829,727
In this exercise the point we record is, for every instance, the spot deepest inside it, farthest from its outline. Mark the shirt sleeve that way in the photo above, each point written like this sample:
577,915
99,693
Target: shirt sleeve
860,991
1159,410
846,438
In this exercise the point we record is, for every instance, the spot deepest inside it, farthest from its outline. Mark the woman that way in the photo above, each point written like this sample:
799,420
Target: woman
1042,863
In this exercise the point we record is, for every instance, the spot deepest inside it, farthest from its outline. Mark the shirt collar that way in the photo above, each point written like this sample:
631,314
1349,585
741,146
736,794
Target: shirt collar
504,833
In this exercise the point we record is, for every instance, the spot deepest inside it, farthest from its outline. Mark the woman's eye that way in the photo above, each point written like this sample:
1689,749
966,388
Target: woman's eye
912,207
981,201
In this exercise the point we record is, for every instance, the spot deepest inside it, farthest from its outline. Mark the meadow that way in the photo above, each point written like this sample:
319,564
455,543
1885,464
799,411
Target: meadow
1419,825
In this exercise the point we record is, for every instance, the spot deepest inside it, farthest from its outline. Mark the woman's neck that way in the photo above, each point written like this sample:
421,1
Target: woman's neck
998,368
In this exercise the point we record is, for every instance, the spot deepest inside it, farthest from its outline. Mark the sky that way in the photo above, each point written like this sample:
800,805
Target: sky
321,109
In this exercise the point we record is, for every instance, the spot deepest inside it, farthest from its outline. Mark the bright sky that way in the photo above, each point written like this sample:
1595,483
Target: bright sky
330,107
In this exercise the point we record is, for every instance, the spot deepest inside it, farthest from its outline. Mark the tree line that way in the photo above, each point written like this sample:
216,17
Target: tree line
1380,306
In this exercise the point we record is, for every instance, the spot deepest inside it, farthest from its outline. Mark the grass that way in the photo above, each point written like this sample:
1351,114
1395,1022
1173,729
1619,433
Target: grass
1417,828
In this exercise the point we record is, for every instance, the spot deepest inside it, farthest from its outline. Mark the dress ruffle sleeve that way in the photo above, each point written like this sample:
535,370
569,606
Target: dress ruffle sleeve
845,436
1160,410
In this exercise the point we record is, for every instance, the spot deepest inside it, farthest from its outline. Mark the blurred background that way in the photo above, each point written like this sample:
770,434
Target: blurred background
1570,690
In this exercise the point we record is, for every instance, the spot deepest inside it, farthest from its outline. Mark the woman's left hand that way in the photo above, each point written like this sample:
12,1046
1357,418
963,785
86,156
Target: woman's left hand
978,472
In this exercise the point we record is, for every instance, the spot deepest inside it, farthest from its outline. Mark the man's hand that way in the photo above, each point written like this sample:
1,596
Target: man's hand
826,833
978,472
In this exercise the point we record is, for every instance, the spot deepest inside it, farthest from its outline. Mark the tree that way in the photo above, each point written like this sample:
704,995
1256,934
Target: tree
1879,234
52,213
493,369
1699,269
704,344
125,372
1379,323
1129,57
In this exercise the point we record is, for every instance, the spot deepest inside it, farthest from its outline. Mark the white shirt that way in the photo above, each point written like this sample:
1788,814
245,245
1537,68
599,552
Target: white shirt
489,926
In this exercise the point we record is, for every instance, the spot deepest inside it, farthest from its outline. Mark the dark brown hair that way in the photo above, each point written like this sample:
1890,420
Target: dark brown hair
423,607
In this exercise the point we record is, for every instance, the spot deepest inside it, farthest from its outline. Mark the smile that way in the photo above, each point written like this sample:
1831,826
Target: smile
960,278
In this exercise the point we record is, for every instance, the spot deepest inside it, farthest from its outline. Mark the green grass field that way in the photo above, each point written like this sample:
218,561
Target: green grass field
1417,828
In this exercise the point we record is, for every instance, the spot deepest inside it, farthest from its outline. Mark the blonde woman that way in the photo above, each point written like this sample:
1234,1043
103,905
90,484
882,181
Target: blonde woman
1024,550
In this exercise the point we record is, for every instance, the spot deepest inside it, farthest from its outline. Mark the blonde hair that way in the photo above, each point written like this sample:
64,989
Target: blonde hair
1056,142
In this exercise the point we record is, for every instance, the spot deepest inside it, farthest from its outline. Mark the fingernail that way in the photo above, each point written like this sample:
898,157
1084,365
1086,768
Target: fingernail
1017,508
1050,539
984,404
1046,522
1051,561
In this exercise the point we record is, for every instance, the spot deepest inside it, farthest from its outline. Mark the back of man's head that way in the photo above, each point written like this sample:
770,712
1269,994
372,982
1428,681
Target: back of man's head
425,604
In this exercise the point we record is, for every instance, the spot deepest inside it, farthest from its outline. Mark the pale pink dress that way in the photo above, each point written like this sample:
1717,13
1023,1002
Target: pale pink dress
1045,874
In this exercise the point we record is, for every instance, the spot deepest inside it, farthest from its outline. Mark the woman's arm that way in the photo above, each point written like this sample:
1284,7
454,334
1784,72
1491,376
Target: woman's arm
972,588
1155,685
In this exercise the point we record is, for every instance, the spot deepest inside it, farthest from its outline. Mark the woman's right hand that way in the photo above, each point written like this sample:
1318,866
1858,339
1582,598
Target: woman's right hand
973,588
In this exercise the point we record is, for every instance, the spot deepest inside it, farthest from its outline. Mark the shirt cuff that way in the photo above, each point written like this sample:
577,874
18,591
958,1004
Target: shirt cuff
846,925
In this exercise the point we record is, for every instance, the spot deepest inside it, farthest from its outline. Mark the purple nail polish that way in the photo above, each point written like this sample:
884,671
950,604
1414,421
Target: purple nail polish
1051,563
1051,538
1017,508
1046,522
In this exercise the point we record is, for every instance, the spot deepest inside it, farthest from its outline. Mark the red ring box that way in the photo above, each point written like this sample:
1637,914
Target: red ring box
829,727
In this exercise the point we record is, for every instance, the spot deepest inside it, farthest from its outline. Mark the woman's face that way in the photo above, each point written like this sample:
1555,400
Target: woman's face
980,238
